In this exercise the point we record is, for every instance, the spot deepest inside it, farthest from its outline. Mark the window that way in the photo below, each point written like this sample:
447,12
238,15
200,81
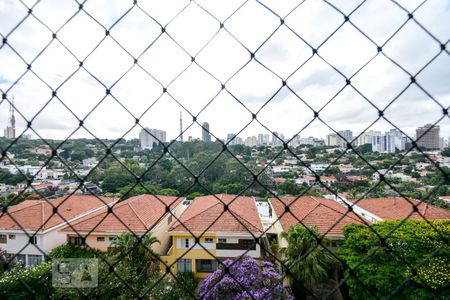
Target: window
12,236
76,240
248,244
184,265
2,238
100,239
208,240
34,260
206,265
112,238
223,241
34,240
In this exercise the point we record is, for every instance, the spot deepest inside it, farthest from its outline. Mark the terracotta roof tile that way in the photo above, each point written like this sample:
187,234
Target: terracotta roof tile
208,210
138,214
399,208
328,215
38,214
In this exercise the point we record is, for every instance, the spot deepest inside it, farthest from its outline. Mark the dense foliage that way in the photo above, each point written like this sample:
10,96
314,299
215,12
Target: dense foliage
129,270
246,279
312,268
8,178
414,257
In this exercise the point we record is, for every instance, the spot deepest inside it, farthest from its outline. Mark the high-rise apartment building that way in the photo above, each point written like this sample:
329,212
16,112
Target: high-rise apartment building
206,136
260,139
346,136
388,142
231,139
427,137
10,130
275,138
332,139
150,137
365,138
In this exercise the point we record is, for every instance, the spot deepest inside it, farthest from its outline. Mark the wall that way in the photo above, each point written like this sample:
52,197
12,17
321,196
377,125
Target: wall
196,253
161,229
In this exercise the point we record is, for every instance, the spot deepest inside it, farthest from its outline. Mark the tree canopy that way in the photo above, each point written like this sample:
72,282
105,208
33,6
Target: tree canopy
411,260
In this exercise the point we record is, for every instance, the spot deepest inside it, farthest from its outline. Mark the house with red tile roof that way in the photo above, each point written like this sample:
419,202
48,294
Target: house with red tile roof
31,229
446,199
328,215
141,215
399,208
215,226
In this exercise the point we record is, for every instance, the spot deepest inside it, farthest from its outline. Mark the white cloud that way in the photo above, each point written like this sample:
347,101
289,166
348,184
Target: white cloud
193,27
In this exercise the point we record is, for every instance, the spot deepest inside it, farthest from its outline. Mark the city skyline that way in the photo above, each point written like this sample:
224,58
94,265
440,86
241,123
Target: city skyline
384,142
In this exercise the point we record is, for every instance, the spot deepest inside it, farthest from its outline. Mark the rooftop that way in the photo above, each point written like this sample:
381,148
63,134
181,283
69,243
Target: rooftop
138,214
207,213
398,208
38,214
328,215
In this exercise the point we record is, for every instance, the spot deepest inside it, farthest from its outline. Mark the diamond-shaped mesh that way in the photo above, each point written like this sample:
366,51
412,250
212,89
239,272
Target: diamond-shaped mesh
85,69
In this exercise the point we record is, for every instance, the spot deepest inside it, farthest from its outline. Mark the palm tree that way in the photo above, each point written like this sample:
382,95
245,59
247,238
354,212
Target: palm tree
127,248
309,264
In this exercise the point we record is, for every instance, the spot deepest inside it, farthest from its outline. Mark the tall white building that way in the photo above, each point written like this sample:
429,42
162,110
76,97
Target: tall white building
376,141
388,142
366,137
260,139
345,137
331,139
251,141
149,137
10,130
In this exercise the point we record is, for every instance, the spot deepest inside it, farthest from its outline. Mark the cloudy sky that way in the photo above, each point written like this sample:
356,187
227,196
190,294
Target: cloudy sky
222,56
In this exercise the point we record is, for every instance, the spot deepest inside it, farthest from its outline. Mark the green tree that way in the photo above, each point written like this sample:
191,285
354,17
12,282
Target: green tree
363,149
8,178
127,248
446,152
311,266
36,278
289,187
116,178
135,262
403,258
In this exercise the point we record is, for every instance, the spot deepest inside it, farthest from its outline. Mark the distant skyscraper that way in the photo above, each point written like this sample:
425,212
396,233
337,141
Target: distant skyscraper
346,137
365,138
206,136
231,139
388,142
332,139
149,137
260,139
376,141
276,139
10,130
427,137
181,127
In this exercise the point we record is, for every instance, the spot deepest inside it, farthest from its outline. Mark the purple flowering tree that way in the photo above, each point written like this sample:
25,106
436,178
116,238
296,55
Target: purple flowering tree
245,279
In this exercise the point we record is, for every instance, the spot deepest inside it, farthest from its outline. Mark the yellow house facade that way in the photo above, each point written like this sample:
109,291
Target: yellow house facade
185,256
230,235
